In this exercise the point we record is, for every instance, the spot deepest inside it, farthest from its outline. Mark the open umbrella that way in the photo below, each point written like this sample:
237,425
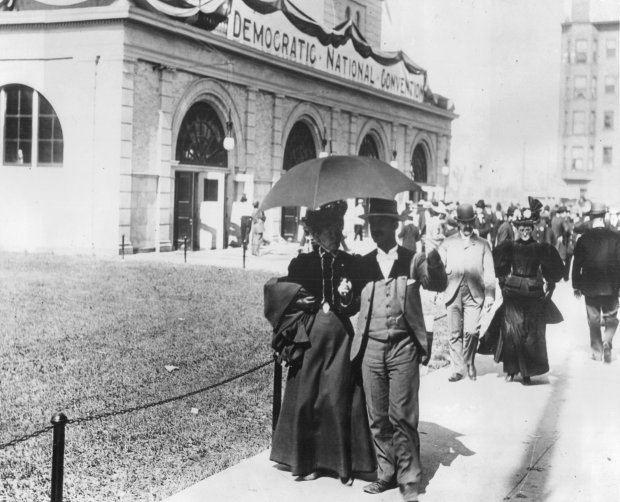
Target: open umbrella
318,181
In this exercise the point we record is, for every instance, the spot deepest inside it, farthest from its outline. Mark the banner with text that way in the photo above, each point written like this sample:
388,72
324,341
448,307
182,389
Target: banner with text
275,35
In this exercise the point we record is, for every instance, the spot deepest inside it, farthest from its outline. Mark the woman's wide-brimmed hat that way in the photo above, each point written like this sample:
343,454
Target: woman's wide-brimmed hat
327,214
530,215
383,207
465,213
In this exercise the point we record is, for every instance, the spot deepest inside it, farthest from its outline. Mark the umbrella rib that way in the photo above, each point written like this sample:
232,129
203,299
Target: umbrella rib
316,187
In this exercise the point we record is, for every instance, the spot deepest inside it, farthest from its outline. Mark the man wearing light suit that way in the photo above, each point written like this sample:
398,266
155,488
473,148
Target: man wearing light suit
390,342
471,284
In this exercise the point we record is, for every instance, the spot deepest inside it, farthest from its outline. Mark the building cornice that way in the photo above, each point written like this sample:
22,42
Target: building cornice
123,11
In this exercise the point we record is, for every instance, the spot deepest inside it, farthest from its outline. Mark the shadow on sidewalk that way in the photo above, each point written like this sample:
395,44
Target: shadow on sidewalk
439,446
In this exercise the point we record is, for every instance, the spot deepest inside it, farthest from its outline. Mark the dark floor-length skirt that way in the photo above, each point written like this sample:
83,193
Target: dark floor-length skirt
523,345
322,423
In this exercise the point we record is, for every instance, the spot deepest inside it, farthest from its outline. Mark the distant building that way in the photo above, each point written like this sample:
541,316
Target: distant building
114,114
589,153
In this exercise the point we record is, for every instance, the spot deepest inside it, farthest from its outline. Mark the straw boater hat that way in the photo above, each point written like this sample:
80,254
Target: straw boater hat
325,215
383,207
465,213
438,207
597,210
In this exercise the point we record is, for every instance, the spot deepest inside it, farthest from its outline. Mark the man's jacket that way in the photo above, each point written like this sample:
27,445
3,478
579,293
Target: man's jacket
469,260
596,262
410,271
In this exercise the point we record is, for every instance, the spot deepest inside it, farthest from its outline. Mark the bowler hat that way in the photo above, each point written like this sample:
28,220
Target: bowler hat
597,209
480,203
383,207
465,213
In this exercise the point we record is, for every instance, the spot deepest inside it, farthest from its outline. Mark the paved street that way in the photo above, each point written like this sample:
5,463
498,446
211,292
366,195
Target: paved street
555,441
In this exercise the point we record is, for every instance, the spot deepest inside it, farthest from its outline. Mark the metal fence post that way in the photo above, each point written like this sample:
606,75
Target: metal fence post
185,249
59,420
123,247
277,394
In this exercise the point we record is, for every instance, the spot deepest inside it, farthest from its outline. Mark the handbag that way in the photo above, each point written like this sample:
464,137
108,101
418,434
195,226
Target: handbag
529,287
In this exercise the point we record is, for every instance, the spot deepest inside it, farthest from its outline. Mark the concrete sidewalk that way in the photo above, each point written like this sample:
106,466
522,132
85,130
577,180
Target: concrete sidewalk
273,258
556,440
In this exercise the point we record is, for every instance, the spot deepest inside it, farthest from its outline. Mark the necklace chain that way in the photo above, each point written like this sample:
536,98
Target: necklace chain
322,254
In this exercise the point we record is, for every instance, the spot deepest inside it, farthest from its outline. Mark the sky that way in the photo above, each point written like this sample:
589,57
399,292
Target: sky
499,62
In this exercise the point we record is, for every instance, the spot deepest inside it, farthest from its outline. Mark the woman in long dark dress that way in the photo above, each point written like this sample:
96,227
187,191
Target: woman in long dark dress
322,427
527,272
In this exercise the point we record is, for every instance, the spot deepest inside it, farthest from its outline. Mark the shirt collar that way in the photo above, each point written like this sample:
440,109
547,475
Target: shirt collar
392,253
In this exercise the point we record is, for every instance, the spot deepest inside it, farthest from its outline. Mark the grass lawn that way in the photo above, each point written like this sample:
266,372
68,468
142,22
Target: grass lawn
86,336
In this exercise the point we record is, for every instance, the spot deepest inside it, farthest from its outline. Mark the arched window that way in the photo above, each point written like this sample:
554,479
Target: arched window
347,13
201,138
418,163
358,19
369,147
31,131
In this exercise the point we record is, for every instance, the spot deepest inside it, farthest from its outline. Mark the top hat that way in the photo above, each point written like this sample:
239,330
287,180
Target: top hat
383,207
480,203
465,213
597,209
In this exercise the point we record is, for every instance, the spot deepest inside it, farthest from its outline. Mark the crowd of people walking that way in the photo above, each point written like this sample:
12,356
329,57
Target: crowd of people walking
351,401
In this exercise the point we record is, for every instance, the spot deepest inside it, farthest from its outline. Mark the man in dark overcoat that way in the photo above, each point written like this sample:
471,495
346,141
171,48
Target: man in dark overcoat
482,225
560,234
391,341
596,276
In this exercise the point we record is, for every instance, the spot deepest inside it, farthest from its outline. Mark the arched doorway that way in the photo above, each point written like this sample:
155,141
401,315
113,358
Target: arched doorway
418,162
420,171
369,147
299,147
199,192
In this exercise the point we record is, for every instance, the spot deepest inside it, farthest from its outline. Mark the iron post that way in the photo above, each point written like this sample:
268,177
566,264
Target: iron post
59,421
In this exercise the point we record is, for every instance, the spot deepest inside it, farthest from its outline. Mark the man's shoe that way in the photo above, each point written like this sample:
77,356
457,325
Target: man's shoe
455,377
409,491
527,380
471,371
379,486
606,353
510,377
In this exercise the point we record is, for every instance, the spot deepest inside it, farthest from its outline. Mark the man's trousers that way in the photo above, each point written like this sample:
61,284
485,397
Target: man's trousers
463,324
391,376
607,308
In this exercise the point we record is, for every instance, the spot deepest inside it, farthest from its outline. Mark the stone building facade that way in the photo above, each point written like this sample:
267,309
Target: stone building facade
141,101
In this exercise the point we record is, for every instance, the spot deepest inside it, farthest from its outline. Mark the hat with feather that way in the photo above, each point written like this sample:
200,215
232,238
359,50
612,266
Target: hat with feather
529,215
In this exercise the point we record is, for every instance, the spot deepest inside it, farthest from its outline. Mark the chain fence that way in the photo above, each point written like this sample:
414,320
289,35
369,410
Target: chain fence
107,414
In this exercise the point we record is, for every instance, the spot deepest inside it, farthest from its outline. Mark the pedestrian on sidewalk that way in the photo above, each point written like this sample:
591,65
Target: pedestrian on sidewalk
358,222
528,272
391,341
258,229
322,427
596,276
471,286
506,231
